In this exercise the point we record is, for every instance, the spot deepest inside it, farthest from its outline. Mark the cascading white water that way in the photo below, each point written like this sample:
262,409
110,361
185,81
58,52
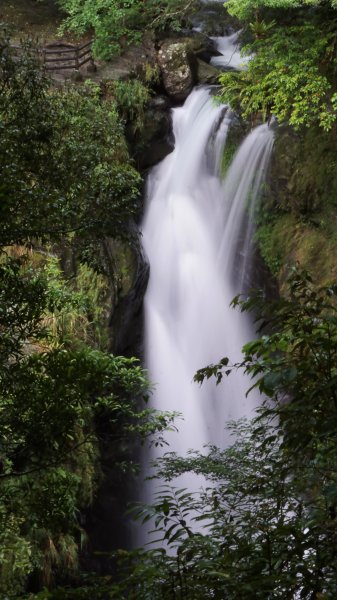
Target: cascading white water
241,191
230,55
188,321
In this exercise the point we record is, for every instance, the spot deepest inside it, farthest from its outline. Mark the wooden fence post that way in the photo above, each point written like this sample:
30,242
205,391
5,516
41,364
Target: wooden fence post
54,56
77,62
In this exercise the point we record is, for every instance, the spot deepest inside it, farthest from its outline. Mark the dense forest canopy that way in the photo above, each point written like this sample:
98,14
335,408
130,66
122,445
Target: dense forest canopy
247,8
292,73
66,182
64,161
116,22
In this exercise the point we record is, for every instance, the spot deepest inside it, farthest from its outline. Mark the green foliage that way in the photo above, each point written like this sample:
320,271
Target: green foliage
260,528
50,397
63,159
228,155
296,360
297,219
131,98
246,9
268,248
93,586
79,308
116,22
62,383
15,556
264,524
111,20
66,179
292,70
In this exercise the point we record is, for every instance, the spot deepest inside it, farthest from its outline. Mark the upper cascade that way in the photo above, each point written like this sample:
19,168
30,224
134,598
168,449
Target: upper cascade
230,55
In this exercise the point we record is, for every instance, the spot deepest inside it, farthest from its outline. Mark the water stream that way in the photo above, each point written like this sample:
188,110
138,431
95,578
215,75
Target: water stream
230,56
190,221
241,191
197,234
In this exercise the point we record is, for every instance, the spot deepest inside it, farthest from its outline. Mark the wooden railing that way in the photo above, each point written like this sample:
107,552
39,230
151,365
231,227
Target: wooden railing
58,56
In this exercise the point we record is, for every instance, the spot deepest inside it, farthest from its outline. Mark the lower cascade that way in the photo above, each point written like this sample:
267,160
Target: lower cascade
193,235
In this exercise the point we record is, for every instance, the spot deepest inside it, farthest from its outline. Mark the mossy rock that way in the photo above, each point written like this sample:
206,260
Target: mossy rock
177,64
155,140
206,74
298,217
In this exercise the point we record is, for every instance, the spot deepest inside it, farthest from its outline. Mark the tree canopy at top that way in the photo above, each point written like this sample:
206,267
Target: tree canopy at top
117,22
245,8
292,72
64,163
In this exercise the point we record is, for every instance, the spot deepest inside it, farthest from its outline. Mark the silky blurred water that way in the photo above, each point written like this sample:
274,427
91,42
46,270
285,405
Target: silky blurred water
189,230
229,48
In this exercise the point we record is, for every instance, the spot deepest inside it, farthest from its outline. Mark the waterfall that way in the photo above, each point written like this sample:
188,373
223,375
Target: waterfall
230,56
241,191
188,321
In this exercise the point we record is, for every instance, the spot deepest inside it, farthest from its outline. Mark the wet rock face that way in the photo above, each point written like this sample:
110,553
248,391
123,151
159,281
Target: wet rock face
213,19
158,138
155,140
176,63
206,74
126,324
